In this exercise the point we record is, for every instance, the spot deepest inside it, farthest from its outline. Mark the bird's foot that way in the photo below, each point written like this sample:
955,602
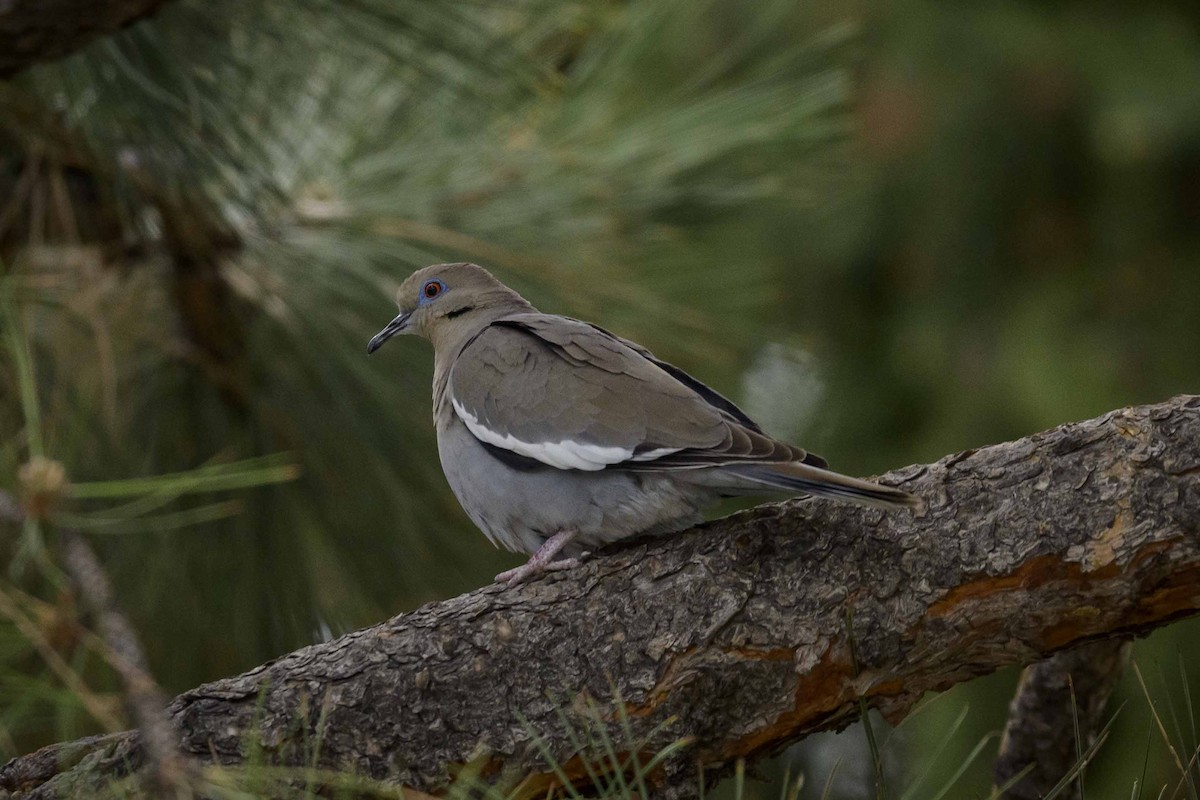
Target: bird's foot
531,568
541,561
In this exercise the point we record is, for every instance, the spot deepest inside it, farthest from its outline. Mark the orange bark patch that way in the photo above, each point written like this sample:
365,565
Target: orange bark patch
759,654
662,689
1034,572
1102,550
829,687
1180,595
819,692
677,667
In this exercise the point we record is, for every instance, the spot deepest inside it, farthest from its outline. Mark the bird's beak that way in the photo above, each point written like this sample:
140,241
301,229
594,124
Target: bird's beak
395,326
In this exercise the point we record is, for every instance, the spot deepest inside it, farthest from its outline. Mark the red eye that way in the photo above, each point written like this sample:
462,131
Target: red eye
432,289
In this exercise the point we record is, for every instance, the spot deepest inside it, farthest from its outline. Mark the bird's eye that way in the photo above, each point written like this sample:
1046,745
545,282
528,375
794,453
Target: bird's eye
432,289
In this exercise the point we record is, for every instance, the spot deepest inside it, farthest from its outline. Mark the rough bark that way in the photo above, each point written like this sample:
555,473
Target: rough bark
751,631
35,31
1055,716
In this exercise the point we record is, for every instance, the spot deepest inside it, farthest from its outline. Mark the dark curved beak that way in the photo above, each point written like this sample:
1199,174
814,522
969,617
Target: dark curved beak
395,326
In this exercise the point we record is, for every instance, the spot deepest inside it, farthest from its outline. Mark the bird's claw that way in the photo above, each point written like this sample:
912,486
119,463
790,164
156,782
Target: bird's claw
534,567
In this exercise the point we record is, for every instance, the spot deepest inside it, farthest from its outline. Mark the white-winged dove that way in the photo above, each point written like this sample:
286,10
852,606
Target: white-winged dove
558,437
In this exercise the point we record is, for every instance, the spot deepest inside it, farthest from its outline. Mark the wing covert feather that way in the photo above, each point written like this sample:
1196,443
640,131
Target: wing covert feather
574,396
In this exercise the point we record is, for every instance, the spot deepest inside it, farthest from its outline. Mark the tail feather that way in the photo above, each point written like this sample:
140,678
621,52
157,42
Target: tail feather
807,479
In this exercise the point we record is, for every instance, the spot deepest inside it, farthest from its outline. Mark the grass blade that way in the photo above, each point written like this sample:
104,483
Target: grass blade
216,478
931,762
962,768
1085,759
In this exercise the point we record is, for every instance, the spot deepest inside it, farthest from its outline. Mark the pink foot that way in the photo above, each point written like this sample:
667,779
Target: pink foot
542,560
529,569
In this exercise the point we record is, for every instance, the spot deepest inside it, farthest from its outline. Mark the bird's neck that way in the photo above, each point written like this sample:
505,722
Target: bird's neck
449,341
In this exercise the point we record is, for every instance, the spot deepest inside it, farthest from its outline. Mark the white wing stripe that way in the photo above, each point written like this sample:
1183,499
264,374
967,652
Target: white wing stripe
650,455
565,454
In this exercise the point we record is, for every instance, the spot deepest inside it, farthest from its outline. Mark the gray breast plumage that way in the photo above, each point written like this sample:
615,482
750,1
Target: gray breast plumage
519,505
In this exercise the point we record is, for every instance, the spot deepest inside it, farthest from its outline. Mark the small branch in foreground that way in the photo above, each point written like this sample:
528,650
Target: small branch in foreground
168,772
100,710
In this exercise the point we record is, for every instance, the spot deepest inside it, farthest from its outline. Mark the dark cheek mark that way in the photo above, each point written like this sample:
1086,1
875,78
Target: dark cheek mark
458,312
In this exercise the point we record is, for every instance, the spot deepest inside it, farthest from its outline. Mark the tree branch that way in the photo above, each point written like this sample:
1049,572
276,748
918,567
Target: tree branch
34,31
737,629
1058,702
167,772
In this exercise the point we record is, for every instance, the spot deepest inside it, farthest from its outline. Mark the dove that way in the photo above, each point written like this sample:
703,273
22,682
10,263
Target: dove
558,437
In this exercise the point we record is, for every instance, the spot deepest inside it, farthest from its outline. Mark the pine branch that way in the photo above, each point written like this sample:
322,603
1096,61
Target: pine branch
36,31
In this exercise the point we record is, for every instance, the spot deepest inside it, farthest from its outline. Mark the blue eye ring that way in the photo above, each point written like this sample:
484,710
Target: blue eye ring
431,291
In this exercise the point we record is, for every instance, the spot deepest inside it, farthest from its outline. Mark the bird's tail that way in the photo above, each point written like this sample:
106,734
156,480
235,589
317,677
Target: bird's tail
797,477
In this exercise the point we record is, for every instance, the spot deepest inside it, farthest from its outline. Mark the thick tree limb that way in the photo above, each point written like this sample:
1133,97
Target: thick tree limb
741,629
34,31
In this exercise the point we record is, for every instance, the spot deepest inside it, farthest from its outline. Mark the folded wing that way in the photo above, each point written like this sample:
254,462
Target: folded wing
572,396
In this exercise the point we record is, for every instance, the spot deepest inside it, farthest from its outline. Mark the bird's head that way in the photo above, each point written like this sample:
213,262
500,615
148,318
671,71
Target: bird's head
444,301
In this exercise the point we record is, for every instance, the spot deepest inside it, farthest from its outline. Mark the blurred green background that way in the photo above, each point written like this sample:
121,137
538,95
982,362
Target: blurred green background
892,232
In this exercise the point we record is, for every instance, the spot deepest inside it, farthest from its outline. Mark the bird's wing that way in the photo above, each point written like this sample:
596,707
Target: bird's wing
572,396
